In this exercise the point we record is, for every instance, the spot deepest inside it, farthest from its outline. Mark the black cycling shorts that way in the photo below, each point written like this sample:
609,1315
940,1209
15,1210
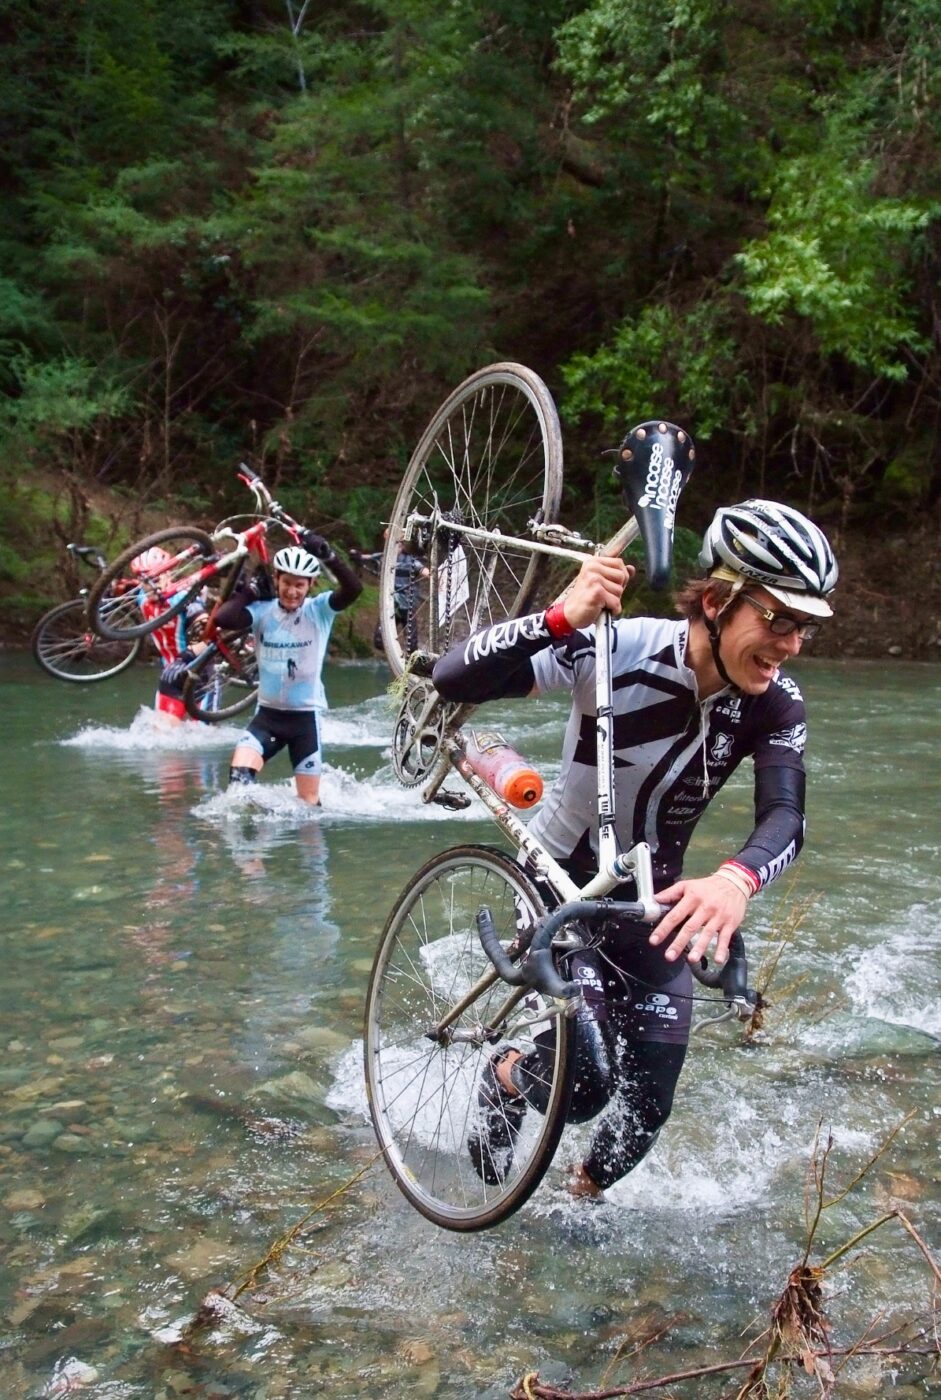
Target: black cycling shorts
297,730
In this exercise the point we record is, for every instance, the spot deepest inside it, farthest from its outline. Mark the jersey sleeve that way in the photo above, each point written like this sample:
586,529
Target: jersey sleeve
783,736
780,781
560,665
321,609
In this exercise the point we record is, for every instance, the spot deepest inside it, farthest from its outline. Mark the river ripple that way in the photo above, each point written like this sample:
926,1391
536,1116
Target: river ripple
182,994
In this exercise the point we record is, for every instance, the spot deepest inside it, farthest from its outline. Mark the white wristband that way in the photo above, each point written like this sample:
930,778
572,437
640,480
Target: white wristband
734,878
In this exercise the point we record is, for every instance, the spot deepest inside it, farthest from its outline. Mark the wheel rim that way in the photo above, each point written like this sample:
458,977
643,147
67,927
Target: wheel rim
491,458
131,601
423,1094
68,648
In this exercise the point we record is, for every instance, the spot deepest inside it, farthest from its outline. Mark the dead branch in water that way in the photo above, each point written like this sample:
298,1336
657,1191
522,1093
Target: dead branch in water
798,1334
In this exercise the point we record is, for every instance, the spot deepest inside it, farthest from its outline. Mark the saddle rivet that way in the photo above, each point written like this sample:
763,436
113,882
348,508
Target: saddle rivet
641,434
661,427
626,454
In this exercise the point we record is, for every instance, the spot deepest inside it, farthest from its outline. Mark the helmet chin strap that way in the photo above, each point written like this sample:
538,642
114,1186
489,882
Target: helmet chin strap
712,623
713,631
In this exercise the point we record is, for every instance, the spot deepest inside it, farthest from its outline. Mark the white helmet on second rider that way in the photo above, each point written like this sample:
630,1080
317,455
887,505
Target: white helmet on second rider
296,561
773,545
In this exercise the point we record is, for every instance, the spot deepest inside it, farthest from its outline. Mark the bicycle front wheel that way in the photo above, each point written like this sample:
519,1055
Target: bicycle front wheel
436,1012
160,588
65,646
490,459
227,686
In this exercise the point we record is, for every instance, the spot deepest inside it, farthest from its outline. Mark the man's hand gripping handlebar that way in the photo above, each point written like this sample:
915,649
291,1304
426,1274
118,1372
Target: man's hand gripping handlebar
536,968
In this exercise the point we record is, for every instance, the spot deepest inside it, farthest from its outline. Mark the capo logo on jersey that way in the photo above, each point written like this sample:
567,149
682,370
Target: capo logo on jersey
657,1004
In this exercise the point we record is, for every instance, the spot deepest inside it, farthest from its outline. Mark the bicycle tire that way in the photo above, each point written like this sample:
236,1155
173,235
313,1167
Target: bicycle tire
492,457
206,695
65,646
422,1090
184,586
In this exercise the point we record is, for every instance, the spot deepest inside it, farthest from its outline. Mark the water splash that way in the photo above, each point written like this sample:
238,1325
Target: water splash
366,725
276,803
344,793
148,732
898,982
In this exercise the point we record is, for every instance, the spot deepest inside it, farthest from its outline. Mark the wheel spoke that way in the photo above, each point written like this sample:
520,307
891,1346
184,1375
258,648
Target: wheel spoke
423,1092
67,649
490,459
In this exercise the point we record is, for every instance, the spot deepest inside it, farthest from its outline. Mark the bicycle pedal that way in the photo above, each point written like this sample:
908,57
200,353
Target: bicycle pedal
454,801
421,663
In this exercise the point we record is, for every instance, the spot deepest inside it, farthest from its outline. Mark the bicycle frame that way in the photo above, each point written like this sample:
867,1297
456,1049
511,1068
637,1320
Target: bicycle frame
548,539
615,867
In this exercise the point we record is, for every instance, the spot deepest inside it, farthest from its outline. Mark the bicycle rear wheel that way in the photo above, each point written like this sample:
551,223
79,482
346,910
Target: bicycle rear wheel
65,646
423,1078
226,686
160,592
491,458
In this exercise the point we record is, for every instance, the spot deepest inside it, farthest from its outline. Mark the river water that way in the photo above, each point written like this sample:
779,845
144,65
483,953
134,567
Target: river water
182,991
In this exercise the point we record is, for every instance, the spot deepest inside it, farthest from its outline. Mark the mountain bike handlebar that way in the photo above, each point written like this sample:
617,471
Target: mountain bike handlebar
267,505
89,554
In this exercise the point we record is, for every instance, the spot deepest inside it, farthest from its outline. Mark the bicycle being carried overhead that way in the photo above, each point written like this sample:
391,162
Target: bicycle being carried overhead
470,1084
222,678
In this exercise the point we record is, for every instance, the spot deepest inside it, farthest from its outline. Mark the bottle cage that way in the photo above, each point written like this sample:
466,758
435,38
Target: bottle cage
654,464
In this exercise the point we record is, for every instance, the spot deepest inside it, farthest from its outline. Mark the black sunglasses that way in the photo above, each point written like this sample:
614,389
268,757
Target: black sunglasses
782,624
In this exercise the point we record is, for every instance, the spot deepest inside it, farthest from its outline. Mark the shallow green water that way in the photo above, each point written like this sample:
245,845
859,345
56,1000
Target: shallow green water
181,1006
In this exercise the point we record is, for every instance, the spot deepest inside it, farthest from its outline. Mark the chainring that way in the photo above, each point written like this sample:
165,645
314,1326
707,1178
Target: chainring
418,733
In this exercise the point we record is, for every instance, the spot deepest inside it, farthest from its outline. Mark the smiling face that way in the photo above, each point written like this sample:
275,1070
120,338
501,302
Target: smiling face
751,653
292,590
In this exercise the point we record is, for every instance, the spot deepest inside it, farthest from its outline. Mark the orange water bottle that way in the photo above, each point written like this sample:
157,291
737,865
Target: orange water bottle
503,769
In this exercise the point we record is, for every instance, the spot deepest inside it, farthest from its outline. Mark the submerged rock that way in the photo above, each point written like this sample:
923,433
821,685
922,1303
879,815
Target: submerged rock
295,1088
42,1133
69,1375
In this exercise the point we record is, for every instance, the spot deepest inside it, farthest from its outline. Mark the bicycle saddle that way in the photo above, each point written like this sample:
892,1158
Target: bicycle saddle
654,464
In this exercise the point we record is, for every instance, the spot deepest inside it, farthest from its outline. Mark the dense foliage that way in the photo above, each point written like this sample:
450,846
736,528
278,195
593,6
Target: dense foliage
237,227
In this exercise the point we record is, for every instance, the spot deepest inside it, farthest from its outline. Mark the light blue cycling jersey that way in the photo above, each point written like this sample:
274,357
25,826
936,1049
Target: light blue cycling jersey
291,648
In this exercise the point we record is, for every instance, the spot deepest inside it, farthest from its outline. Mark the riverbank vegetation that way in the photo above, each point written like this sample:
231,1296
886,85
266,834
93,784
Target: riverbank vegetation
237,230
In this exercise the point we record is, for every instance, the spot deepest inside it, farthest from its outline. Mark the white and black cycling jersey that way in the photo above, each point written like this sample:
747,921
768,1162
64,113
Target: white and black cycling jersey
672,752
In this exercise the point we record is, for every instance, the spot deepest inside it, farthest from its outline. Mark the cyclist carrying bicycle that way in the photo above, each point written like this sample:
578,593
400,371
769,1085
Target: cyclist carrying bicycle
291,632
692,700
172,640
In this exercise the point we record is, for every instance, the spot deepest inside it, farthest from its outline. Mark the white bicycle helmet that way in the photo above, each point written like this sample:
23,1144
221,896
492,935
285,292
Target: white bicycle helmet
775,546
294,560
